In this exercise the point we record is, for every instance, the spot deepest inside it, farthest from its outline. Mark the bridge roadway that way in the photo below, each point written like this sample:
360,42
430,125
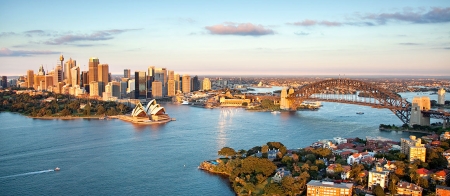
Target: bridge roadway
379,97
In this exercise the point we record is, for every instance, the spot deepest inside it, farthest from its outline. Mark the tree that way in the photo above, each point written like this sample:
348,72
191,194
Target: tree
65,112
100,110
226,151
87,109
265,149
378,191
273,189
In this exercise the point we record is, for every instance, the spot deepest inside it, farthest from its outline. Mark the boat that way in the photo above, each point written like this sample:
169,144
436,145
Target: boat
359,112
57,169
275,112
185,102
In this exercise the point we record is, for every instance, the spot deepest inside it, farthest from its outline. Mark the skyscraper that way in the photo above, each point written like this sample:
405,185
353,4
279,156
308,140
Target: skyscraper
93,69
84,78
441,96
103,76
30,78
186,83
151,71
68,68
57,75
4,81
48,81
171,88
94,90
140,85
177,82
157,89
126,73
75,76
171,75
206,84
195,84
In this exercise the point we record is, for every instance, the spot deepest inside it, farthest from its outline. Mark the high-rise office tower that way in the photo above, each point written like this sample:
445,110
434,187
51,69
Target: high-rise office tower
151,71
161,75
171,75
103,76
123,89
57,75
206,84
441,96
30,78
94,90
140,85
84,78
186,83
68,68
195,83
75,76
4,81
115,89
157,89
131,86
48,81
93,69
171,88
177,82
126,73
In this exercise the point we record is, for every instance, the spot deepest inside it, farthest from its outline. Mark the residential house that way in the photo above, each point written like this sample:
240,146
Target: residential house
423,173
441,175
410,189
354,158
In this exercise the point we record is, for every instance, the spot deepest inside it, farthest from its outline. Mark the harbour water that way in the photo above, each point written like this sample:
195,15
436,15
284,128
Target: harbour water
112,157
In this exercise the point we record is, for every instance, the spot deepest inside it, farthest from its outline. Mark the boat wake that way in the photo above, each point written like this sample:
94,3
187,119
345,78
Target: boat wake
28,173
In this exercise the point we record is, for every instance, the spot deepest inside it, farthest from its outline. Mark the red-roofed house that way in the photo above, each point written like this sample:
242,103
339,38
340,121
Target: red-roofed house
355,158
424,173
441,175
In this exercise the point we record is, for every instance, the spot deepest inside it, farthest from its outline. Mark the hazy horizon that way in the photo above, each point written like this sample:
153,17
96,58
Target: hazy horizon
230,38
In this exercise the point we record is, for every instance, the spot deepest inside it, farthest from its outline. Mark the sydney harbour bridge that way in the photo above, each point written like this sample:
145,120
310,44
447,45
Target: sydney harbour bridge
375,96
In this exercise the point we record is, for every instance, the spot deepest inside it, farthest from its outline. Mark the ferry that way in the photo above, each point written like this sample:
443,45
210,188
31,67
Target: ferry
275,112
57,169
185,102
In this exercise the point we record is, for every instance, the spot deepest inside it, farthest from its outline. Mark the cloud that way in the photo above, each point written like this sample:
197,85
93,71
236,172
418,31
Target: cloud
307,23
447,48
96,36
301,33
409,44
7,52
3,34
435,15
31,33
239,29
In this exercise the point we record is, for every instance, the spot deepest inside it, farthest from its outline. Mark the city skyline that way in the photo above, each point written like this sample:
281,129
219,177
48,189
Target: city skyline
230,38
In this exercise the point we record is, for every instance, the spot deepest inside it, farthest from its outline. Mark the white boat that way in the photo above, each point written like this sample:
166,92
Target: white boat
57,169
275,112
185,102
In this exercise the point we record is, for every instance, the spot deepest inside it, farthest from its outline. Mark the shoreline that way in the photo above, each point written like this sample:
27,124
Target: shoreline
407,130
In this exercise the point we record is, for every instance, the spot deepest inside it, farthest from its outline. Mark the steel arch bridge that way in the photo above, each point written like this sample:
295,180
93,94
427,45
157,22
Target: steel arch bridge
380,97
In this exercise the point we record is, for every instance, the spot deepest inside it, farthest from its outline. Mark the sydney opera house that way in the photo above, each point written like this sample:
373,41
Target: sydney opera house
153,112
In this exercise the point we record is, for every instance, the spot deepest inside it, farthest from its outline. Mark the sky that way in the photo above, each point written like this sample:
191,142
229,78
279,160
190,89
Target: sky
230,37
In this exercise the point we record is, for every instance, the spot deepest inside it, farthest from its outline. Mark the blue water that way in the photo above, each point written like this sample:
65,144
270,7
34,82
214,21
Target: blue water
112,157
